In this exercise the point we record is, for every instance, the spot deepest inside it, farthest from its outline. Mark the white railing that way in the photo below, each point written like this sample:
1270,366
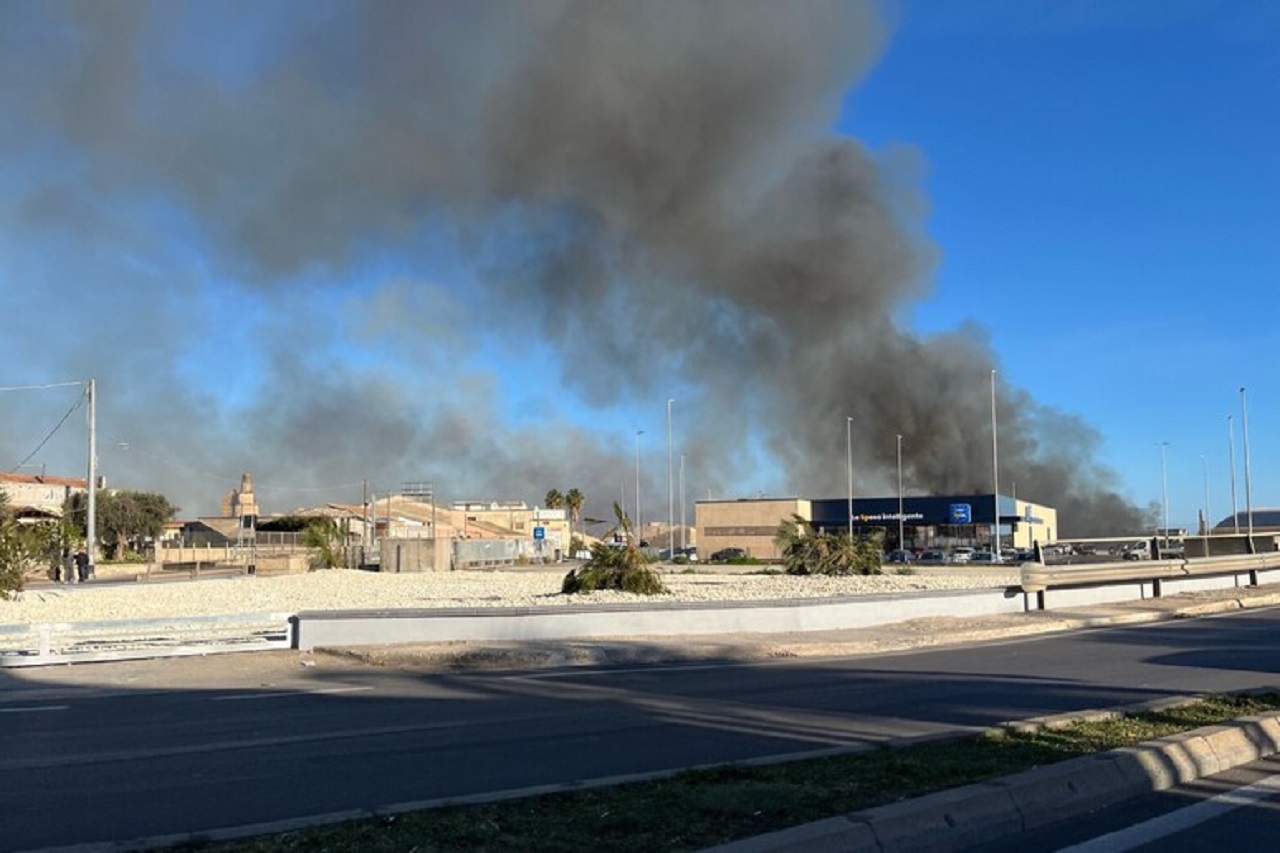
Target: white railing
1037,577
43,643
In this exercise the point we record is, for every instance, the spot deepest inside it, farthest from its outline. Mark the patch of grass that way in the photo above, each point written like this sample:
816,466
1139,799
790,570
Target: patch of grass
701,808
904,570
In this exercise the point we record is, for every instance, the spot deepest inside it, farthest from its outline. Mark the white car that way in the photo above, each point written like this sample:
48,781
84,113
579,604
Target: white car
961,554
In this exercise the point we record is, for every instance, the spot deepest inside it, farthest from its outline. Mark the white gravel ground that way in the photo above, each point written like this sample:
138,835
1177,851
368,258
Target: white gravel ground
338,589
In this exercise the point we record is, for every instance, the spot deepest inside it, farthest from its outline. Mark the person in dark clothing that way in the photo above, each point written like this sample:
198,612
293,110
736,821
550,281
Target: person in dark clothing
82,565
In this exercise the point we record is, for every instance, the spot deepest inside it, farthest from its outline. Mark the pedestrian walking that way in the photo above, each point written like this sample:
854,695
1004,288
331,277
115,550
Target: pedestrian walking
82,565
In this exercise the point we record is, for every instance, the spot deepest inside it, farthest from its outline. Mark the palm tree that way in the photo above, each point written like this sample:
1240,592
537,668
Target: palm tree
554,500
573,500
626,569
806,551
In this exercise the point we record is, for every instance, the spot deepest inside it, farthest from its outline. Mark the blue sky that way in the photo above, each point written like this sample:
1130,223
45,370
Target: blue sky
1104,186
484,244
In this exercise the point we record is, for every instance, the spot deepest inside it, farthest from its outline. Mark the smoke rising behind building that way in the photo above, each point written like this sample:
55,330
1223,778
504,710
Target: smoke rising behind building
279,244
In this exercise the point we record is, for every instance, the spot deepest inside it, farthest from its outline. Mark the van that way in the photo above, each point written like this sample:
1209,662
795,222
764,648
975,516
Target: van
1138,551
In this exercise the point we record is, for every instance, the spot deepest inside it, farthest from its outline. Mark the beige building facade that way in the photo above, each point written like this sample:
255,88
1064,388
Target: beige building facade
41,494
749,524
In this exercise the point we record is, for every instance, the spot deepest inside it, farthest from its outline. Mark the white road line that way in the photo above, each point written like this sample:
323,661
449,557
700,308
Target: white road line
1183,819
284,694
31,708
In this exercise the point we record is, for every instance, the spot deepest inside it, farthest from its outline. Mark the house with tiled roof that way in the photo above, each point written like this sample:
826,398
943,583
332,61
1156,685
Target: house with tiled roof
40,496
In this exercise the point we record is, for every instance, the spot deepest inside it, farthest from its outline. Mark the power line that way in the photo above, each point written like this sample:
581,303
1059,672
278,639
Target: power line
52,432
40,387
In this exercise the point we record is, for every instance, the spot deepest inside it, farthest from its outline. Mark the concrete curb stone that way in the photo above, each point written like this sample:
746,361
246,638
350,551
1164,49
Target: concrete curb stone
988,811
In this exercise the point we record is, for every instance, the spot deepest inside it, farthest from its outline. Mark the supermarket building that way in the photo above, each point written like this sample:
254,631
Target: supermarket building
927,521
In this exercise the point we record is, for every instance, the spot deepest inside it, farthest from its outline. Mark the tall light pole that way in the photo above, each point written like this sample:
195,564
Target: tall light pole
683,526
1248,485
91,509
1204,464
901,524
1231,446
1164,481
671,500
995,473
639,523
848,437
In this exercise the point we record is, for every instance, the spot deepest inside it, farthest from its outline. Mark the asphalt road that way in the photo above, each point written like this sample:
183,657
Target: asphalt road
112,752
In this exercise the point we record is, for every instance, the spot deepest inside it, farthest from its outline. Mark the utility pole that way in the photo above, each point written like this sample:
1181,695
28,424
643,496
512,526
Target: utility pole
848,438
639,522
995,473
1231,447
1248,485
91,523
683,527
671,501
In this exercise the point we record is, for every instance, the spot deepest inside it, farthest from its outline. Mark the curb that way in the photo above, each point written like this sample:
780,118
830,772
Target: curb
989,811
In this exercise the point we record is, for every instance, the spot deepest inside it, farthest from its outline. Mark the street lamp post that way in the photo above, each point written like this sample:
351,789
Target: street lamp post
901,525
683,519
639,523
1231,448
848,433
995,474
671,500
1164,481
1204,464
1248,485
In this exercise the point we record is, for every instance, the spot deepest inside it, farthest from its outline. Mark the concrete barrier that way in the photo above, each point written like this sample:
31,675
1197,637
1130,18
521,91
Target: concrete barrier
379,627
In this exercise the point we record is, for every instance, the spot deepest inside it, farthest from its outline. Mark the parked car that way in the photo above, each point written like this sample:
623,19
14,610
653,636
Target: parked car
982,557
690,553
961,554
901,555
724,555
932,557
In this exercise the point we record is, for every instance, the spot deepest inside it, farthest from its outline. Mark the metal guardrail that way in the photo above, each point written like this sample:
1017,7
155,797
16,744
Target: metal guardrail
39,644
1037,577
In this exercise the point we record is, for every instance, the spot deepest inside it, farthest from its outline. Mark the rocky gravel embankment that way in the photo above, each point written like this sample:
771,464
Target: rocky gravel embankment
339,589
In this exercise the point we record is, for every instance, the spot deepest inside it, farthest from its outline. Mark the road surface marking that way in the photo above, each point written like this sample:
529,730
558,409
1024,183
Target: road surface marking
280,694
1183,819
31,708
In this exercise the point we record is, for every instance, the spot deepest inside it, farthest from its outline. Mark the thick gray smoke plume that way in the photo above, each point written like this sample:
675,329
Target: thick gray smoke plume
650,190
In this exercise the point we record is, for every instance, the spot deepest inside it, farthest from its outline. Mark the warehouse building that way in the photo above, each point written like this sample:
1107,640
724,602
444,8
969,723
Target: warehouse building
926,522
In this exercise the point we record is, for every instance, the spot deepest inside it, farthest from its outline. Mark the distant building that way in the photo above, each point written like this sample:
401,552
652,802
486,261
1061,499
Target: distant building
927,521
32,496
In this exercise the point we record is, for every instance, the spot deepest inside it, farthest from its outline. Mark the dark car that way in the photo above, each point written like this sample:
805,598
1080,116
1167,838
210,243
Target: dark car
724,555
900,556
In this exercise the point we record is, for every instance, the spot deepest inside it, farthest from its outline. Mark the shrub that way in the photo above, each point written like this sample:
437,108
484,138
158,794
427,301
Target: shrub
625,569
24,549
806,551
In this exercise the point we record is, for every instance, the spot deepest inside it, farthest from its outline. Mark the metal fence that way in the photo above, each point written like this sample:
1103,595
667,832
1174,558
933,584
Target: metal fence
78,642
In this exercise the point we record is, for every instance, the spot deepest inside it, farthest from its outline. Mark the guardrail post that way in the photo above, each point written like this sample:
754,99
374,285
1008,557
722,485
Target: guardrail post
1155,588
45,633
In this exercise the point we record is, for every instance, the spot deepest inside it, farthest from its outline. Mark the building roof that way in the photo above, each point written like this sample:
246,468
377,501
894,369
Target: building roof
41,480
1262,518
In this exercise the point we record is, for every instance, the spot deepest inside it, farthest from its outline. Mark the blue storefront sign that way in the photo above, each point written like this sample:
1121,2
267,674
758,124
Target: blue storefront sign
539,533
960,514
